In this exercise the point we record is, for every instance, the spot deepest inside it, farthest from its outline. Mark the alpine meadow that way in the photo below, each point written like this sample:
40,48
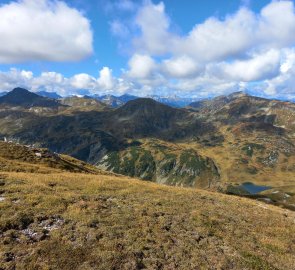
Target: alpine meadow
147,135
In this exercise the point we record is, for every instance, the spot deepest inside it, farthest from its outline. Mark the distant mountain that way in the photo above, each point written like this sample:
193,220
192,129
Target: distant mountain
248,138
110,100
53,95
173,101
24,98
3,94
83,103
126,97
217,102
117,101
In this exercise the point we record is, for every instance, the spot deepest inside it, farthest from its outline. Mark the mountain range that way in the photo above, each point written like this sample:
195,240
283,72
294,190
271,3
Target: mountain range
146,185
117,101
210,144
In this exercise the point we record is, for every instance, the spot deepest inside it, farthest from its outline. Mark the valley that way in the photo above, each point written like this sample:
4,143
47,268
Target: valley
147,135
144,185
238,138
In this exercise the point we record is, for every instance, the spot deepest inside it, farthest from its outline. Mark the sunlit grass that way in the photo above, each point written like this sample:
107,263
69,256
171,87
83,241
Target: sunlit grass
118,222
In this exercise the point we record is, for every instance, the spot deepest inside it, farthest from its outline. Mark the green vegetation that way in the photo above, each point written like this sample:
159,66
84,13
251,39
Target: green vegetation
256,262
192,162
249,148
162,162
146,165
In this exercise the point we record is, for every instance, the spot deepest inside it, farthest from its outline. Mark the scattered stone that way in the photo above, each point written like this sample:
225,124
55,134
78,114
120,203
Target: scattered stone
35,236
267,200
38,154
52,224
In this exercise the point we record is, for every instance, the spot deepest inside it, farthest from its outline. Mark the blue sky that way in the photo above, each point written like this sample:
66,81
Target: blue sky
187,48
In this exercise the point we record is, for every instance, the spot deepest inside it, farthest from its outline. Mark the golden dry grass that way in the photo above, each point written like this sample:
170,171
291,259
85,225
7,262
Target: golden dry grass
115,222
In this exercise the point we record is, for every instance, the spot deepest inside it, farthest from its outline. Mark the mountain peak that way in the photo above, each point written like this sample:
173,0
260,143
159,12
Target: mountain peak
24,98
238,94
146,108
142,103
20,89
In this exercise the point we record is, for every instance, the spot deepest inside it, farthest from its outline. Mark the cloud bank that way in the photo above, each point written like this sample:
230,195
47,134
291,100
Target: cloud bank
37,30
243,50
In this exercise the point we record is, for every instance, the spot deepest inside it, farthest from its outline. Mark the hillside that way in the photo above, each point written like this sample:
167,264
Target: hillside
30,159
243,138
164,163
65,220
83,104
24,98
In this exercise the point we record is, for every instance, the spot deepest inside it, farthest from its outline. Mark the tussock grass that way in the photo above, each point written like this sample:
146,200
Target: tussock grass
63,220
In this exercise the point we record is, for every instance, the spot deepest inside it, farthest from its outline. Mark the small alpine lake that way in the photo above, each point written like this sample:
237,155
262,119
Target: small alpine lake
254,189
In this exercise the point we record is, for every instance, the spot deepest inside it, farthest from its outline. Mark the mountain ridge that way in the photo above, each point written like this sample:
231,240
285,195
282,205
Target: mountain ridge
222,133
22,97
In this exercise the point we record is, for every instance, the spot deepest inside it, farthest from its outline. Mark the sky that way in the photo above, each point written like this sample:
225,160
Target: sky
188,48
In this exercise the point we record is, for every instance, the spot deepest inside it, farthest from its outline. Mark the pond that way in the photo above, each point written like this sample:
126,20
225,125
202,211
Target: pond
254,189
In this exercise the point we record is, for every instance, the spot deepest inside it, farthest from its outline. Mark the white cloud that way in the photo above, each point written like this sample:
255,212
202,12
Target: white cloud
283,85
218,55
56,82
105,80
182,66
141,66
154,25
43,30
13,78
216,39
83,81
276,22
244,50
261,66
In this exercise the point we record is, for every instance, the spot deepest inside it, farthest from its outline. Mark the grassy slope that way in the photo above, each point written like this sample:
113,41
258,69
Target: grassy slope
52,218
114,222
235,163
20,158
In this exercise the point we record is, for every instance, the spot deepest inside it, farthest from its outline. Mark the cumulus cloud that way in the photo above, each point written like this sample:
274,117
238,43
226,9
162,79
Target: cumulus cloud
43,30
83,81
154,25
56,82
106,80
141,66
243,50
182,66
261,66
216,39
283,85
217,55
